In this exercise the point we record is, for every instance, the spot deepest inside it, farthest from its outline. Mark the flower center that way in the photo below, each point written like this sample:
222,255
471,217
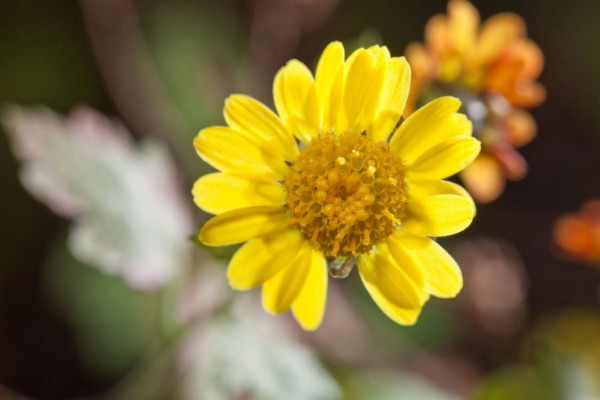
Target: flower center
345,193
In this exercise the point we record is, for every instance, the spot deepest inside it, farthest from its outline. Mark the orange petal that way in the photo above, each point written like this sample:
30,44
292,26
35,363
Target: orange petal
484,179
436,34
529,53
463,24
527,94
421,63
423,67
576,236
520,127
515,71
496,33
515,166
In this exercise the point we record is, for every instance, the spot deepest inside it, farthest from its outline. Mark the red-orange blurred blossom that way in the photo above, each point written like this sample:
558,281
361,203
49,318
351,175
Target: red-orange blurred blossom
577,235
495,56
514,73
496,66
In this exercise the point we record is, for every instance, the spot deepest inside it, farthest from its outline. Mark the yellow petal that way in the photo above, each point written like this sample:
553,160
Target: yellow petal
260,125
340,122
337,116
381,270
229,151
442,276
279,292
446,158
309,306
378,99
330,64
243,224
361,82
260,259
400,315
381,54
310,125
392,100
484,178
521,128
418,188
220,192
433,123
439,215
291,86
388,249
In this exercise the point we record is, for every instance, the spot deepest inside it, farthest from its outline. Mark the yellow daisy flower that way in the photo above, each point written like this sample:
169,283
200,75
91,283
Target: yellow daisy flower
342,193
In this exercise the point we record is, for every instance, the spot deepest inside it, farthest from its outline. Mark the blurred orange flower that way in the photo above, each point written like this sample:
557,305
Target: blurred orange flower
577,235
493,68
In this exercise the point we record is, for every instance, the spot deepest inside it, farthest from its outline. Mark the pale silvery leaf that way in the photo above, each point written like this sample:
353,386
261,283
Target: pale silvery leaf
129,215
580,380
230,358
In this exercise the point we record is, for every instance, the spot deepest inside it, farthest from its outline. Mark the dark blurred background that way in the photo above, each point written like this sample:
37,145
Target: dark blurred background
46,57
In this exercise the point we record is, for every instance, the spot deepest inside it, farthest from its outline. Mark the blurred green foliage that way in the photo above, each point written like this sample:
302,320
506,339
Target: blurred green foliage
391,385
114,324
436,328
552,375
46,62
198,51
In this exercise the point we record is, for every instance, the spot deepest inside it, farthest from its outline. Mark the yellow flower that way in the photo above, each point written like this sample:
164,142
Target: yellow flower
495,66
344,192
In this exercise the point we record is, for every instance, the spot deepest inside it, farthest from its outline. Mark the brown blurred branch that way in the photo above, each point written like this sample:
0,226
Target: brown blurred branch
275,32
128,73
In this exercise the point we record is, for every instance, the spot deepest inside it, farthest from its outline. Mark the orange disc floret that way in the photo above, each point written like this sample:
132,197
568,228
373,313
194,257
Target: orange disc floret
345,193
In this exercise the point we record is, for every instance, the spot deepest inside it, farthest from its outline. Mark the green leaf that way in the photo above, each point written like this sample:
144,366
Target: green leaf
518,383
392,385
113,323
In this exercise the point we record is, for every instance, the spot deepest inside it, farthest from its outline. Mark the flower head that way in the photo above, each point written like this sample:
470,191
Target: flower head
344,193
577,235
494,69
